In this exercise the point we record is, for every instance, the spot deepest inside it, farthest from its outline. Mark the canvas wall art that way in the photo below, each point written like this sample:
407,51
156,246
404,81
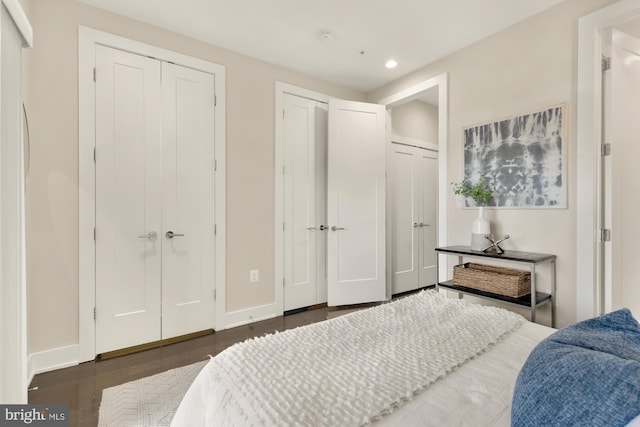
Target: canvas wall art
522,158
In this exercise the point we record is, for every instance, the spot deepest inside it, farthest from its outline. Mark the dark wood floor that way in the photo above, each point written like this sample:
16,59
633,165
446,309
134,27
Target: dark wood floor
81,386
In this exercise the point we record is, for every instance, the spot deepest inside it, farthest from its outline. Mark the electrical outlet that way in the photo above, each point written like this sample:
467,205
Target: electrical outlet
254,276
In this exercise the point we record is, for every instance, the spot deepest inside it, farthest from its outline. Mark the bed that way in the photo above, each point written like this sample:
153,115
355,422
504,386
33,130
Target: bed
423,360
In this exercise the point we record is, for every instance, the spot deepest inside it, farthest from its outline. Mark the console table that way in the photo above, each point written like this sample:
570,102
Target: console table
532,302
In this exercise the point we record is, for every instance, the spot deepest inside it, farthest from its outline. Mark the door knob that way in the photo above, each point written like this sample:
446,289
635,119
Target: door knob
415,225
311,228
322,228
171,235
150,235
335,228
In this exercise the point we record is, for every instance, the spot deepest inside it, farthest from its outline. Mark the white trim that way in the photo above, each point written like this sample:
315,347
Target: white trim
50,360
410,94
280,90
588,165
419,143
17,14
88,38
251,315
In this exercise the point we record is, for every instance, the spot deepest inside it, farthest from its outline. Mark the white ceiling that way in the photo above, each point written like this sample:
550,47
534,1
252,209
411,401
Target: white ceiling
287,32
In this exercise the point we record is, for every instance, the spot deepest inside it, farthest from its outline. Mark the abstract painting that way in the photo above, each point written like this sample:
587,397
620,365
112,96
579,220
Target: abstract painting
521,158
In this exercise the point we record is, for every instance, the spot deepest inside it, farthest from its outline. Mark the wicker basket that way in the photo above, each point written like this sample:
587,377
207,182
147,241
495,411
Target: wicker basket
497,280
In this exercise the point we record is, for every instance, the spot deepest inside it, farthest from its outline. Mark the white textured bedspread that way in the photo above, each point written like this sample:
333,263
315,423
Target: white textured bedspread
346,371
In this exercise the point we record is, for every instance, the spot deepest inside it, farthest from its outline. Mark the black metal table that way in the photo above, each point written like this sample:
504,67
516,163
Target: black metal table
532,301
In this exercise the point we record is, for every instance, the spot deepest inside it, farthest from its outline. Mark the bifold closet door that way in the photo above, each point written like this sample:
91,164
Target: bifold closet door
128,199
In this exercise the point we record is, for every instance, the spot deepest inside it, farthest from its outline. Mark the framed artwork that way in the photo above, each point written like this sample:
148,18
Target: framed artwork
522,159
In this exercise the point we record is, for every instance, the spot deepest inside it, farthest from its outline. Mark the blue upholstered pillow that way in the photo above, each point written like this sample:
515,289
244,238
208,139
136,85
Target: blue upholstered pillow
587,374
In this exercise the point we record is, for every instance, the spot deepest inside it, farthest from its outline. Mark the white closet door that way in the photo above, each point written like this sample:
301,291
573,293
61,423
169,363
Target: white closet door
404,209
188,195
128,199
621,176
356,203
413,190
302,228
427,163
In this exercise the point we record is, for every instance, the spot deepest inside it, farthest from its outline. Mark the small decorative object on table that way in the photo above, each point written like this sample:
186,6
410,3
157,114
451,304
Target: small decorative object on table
495,244
481,193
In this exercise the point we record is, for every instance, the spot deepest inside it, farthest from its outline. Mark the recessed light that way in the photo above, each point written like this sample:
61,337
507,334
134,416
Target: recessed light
392,63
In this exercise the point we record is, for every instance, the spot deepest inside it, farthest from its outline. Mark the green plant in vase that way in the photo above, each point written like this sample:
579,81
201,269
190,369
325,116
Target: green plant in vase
481,194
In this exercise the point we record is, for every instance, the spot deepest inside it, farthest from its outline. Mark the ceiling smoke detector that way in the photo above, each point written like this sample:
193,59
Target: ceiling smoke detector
326,36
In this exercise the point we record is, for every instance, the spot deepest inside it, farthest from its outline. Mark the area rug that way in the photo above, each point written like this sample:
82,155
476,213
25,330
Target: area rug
150,401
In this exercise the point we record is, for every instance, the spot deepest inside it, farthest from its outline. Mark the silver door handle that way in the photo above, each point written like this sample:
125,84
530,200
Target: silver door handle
415,225
424,225
150,235
334,228
311,228
171,235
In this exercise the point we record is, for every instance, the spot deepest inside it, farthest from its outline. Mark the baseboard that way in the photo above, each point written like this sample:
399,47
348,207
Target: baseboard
249,315
50,360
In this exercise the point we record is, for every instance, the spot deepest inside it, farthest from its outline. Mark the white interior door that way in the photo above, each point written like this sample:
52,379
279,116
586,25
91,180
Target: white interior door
404,210
621,192
412,206
128,199
305,145
356,203
154,200
428,226
187,199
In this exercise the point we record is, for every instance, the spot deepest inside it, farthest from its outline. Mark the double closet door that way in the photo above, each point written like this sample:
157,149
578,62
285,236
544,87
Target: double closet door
154,200
412,195
334,202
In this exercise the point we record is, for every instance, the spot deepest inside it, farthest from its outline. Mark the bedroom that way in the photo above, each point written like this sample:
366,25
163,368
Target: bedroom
544,72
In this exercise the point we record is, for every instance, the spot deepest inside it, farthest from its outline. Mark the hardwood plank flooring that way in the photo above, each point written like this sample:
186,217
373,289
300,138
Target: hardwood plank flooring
81,386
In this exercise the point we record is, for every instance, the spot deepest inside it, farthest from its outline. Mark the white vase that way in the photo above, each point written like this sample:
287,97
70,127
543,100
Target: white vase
481,227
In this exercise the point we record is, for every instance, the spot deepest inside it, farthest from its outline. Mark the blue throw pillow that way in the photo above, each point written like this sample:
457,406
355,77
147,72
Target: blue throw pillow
587,374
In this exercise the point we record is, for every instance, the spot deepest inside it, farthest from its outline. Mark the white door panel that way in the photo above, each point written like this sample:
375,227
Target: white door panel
412,196
300,199
623,186
404,210
428,229
322,129
356,203
154,174
128,201
188,211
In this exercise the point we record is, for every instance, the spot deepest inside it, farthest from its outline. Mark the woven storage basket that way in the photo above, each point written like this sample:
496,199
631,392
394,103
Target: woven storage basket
497,280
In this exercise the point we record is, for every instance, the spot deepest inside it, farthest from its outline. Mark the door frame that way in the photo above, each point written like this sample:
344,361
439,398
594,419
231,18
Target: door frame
88,38
411,93
589,254
280,90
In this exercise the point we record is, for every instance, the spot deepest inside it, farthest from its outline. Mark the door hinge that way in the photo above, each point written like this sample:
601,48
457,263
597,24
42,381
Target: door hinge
94,155
94,233
94,74
605,235
215,295
283,282
605,149
283,226
215,100
94,313
215,229
606,63
215,165
283,114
